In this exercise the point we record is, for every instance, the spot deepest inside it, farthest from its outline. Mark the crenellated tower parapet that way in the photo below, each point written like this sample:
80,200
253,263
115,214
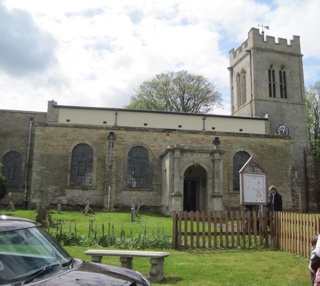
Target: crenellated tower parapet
259,41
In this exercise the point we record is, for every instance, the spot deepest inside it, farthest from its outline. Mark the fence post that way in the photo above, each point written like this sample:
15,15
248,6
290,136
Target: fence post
191,230
317,225
275,222
174,231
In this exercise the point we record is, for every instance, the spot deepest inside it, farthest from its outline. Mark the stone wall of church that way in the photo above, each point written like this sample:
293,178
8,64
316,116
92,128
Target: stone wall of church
275,156
17,134
54,143
51,165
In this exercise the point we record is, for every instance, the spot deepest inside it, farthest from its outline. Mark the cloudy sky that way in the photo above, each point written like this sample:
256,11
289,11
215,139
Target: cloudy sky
95,53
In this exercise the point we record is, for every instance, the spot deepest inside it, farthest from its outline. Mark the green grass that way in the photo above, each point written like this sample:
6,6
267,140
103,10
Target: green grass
223,268
198,267
120,220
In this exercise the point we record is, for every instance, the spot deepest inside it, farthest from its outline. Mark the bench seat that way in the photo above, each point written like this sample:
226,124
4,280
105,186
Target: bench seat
126,256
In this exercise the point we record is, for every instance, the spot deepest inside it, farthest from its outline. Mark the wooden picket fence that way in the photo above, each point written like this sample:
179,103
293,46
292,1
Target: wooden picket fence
290,232
295,230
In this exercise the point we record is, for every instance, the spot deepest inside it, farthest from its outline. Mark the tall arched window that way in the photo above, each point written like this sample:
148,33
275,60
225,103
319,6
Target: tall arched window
238,78
239,159
138,168
12,168
272,82
81,166
243,87
283,82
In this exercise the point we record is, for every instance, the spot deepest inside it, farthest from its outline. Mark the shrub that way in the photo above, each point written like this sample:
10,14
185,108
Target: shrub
110,239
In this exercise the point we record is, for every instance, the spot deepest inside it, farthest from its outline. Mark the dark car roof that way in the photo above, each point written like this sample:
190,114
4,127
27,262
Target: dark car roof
8,223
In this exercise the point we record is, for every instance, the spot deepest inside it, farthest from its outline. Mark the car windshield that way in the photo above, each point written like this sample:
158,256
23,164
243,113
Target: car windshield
26,252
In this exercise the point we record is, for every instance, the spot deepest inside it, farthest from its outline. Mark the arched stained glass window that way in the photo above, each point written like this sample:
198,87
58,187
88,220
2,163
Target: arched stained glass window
81,166
12,168
283,82
138,168
272,82
239,159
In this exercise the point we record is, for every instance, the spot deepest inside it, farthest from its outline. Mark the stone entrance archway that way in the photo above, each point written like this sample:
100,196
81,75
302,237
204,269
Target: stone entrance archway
195,189
191,178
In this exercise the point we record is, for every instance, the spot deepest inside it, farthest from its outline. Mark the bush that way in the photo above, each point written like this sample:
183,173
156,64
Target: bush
110,239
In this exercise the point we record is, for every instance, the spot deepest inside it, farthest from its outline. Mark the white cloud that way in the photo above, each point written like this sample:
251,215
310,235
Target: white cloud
95,53
24,47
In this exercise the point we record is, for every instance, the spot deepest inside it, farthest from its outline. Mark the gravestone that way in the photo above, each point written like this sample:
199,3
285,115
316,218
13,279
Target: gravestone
132,213
59,208
88,209
90,225
11,204
43,217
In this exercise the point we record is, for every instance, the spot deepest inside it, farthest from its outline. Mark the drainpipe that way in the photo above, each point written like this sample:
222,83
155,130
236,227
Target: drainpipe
116,118
111,138
26,177
204,123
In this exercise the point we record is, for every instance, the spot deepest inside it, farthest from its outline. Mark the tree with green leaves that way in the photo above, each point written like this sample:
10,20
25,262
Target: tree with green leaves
313,115
178,92
3,185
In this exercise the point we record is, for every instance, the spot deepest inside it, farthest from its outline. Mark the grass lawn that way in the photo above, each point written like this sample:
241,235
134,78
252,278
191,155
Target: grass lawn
199,267
150,223
247,268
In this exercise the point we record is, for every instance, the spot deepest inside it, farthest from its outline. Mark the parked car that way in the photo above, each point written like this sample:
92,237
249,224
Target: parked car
29,255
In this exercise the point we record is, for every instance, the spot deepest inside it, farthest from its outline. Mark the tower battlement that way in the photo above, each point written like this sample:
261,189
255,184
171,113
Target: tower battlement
258,41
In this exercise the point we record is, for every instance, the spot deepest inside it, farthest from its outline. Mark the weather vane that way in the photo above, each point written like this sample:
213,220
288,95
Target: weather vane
262,28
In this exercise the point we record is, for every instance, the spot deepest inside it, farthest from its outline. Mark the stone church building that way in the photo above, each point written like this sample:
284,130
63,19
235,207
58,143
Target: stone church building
165,161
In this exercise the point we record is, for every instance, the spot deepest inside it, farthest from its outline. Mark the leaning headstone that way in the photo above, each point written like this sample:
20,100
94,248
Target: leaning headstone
86,209
59,208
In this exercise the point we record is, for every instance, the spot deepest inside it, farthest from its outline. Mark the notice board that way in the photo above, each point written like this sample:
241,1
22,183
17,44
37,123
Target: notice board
253,189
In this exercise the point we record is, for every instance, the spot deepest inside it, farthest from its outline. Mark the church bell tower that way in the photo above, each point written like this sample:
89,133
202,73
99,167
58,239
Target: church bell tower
266,77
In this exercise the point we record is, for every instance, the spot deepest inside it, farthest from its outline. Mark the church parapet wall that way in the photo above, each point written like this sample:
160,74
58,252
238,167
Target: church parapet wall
257,41
147,120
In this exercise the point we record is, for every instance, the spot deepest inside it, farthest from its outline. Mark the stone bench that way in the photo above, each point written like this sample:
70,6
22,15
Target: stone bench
156,259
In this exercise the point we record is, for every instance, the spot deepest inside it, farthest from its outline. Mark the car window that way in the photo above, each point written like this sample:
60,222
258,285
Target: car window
32,249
